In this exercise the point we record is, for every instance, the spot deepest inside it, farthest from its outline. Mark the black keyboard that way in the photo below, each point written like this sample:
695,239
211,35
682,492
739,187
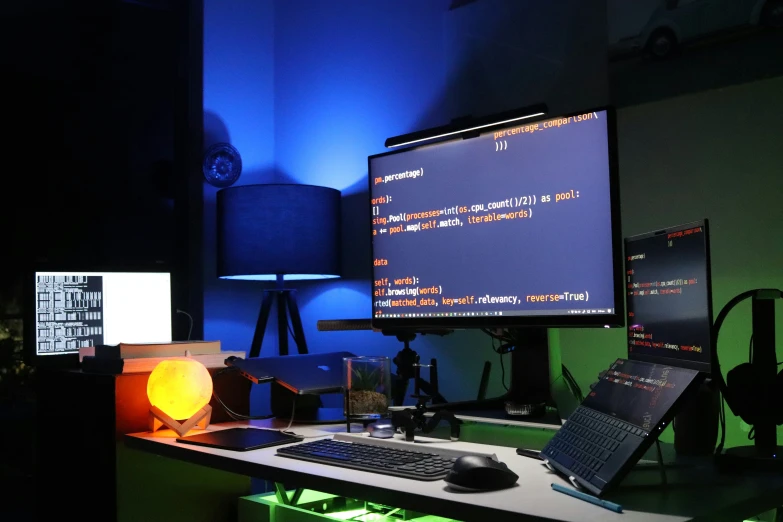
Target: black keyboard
587,440
417,465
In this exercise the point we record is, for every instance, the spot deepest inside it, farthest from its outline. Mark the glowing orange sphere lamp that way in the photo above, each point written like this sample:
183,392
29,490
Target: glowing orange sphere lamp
179,391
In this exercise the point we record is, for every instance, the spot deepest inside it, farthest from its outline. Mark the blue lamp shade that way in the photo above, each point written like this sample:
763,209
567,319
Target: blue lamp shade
286,230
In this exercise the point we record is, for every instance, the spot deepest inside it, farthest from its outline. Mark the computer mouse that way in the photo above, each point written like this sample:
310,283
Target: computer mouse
381,430
479,473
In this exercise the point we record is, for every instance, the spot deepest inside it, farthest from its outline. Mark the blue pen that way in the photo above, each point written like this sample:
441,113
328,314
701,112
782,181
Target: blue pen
617,508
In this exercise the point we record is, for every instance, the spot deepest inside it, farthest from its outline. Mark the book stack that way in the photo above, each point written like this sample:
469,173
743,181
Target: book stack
143,357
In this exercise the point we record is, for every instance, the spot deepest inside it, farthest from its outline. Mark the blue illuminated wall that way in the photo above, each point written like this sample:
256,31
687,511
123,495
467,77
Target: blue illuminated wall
307,89
238,109
351,73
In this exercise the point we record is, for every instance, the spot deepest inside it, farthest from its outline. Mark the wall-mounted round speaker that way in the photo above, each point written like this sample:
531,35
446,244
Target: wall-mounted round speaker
222,165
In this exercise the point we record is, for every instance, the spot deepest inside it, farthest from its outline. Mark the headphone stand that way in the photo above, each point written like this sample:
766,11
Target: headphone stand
765,455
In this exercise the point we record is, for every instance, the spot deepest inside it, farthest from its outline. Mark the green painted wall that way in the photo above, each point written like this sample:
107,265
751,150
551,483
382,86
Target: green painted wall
716,154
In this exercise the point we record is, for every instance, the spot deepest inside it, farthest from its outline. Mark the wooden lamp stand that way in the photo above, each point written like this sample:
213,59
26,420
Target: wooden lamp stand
200,419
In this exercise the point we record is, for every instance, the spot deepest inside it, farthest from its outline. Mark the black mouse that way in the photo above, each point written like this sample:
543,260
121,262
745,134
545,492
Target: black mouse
478,473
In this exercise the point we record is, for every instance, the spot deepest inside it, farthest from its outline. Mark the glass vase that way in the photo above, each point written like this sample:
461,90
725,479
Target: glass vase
367,386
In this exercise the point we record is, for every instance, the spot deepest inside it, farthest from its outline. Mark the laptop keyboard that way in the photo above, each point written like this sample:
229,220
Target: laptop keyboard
587,441
410,464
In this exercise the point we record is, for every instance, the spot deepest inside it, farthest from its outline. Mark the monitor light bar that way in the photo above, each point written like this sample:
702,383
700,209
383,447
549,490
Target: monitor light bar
470,125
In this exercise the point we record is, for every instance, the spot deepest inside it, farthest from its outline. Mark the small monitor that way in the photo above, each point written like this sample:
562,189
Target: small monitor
518,226
76,309
669,296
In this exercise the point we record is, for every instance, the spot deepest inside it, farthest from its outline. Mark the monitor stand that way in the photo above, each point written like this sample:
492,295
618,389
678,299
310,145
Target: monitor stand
536,373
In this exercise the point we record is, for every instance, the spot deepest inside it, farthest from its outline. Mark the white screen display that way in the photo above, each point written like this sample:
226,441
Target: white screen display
81,309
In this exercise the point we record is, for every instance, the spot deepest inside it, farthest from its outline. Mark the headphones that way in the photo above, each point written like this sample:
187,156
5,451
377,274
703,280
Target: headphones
748,396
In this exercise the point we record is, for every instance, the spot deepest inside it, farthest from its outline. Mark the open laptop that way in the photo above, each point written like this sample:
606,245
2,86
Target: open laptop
618,422
302,374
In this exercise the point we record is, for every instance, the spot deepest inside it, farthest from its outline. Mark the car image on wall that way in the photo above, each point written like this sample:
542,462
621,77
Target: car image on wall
659,28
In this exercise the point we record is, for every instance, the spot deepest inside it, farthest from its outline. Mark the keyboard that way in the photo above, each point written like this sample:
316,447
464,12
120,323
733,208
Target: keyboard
410,464
587,441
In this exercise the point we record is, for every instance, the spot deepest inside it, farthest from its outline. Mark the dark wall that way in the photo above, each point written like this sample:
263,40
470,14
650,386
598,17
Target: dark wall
99,163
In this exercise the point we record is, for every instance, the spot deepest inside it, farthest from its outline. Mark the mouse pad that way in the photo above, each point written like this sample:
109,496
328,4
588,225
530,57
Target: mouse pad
240,439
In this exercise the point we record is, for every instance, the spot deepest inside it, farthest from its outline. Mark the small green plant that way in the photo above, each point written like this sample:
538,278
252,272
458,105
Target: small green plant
365,379
366,393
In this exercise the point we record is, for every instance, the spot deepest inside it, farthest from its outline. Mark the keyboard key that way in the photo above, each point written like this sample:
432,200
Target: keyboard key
565,461
336,456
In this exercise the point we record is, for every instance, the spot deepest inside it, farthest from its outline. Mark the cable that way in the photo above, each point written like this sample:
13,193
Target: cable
502,371
231,413
722,420
287,429
572,384
291,420
190,330
497,350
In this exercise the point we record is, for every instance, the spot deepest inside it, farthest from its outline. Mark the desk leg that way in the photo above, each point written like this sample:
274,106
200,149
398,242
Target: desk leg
282,495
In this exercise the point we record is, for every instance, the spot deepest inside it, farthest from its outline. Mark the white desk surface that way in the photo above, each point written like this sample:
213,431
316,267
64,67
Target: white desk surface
692,494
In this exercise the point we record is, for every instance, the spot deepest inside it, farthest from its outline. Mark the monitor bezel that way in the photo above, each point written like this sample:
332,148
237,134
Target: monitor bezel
702,367
70,360
614,320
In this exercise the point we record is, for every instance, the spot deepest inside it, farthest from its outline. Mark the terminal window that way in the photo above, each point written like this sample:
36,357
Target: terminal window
668,297
515,222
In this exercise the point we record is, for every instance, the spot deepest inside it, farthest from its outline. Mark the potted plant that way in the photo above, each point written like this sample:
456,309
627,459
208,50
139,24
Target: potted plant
367,382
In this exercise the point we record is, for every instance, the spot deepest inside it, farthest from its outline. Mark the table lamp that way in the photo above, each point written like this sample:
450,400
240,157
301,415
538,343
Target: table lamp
179,390
278,232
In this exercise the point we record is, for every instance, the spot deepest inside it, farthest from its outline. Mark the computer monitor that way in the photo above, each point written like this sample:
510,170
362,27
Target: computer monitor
513,227
669,296
517,226
72,309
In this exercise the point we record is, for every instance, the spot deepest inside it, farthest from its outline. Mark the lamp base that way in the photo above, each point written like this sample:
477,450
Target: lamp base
200,419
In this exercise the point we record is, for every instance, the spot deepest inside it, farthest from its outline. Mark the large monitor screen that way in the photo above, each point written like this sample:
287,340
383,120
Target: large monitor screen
639,393
80,309
669,297
518,226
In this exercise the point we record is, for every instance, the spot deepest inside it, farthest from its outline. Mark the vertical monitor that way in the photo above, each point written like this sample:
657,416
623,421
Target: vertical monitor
669,296
80,309
517,226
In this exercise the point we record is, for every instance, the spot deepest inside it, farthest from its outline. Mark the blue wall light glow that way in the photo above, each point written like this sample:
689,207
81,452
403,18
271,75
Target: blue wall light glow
337,79
350,74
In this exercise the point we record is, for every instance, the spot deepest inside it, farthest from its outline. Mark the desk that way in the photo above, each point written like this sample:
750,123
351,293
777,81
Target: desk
701,495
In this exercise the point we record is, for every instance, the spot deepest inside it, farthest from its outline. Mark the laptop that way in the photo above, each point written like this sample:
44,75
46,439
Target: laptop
302,374
618,422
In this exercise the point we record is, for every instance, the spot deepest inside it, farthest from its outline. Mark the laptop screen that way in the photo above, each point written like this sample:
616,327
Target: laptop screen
639,393
669,296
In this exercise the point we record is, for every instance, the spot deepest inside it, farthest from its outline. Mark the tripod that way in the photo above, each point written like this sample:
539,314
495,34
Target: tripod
286,304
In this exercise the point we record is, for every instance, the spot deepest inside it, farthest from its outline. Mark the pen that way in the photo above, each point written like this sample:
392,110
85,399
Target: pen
617,508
